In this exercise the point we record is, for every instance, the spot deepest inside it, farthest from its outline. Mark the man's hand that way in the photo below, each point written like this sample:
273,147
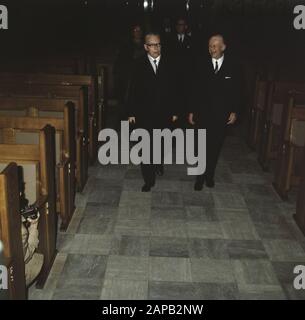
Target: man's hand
232,118
174,118
132,120
191,119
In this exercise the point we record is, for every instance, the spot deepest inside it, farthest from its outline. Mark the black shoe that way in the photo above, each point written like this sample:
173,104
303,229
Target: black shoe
160,171
146,187
198,186
210,183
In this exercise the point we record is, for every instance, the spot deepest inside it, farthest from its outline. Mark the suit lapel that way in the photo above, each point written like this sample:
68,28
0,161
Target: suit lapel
211,66
160,66
149,67
222,66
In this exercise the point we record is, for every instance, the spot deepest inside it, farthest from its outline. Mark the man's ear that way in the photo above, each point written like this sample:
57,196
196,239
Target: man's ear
224,47
145,47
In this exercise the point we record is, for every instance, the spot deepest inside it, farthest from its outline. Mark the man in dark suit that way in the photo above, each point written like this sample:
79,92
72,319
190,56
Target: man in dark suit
152,98
131,50
180,42
215,102
180,47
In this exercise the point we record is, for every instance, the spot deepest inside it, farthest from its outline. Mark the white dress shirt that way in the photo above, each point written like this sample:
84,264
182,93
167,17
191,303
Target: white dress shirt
219,62
180,37
151,59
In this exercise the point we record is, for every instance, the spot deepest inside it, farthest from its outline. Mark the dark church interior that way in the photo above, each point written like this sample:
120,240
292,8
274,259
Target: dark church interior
72,228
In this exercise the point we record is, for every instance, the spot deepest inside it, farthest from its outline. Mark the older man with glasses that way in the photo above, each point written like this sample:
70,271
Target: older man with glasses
153,101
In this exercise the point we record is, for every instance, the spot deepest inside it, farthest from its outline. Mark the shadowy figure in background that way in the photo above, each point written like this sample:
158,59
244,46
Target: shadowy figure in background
181,49
129,52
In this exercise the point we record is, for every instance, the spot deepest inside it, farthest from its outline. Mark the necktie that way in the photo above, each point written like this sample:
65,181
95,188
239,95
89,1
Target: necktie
216,67
156,66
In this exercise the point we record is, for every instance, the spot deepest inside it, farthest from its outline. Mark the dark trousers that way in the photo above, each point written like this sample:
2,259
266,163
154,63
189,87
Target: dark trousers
215,136
149,170
148,173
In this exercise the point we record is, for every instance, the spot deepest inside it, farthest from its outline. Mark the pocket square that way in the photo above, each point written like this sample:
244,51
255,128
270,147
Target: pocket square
227,77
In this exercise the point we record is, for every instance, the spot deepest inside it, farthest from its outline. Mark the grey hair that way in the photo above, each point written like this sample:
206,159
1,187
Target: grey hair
218,35
152,33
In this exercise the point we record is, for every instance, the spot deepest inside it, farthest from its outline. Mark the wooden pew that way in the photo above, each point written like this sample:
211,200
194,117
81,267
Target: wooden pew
38,162
101,95
300,210
62,64
270,140
257,112
10,232
107,64
51,99
59,64
287,167
87,96
34,106
18,128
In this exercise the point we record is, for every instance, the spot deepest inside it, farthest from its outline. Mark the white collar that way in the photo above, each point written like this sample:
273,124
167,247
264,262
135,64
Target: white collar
151,59
219,61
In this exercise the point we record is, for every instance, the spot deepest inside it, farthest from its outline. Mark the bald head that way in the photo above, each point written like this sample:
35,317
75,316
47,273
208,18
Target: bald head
217,46
153,44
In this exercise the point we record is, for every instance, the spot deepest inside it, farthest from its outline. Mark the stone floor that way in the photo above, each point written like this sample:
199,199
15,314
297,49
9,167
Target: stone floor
236,241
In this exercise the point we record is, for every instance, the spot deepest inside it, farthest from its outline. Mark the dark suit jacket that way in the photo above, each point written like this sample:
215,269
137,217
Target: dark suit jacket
215,96
123,65
182,55
176,47
152,98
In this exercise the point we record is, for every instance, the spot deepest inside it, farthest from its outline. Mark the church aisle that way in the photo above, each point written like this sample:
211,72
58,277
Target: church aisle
236,241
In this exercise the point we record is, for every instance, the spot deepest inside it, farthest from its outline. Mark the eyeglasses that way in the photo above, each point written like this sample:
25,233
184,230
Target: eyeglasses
154,45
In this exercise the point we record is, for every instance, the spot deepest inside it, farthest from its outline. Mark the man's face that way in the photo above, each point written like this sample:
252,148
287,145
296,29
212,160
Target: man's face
181,26
137,32
216,47
153,46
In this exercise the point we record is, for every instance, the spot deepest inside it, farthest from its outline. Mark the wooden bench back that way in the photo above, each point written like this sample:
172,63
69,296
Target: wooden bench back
300,210
44,153
50,104
10,231
89,114
63,122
